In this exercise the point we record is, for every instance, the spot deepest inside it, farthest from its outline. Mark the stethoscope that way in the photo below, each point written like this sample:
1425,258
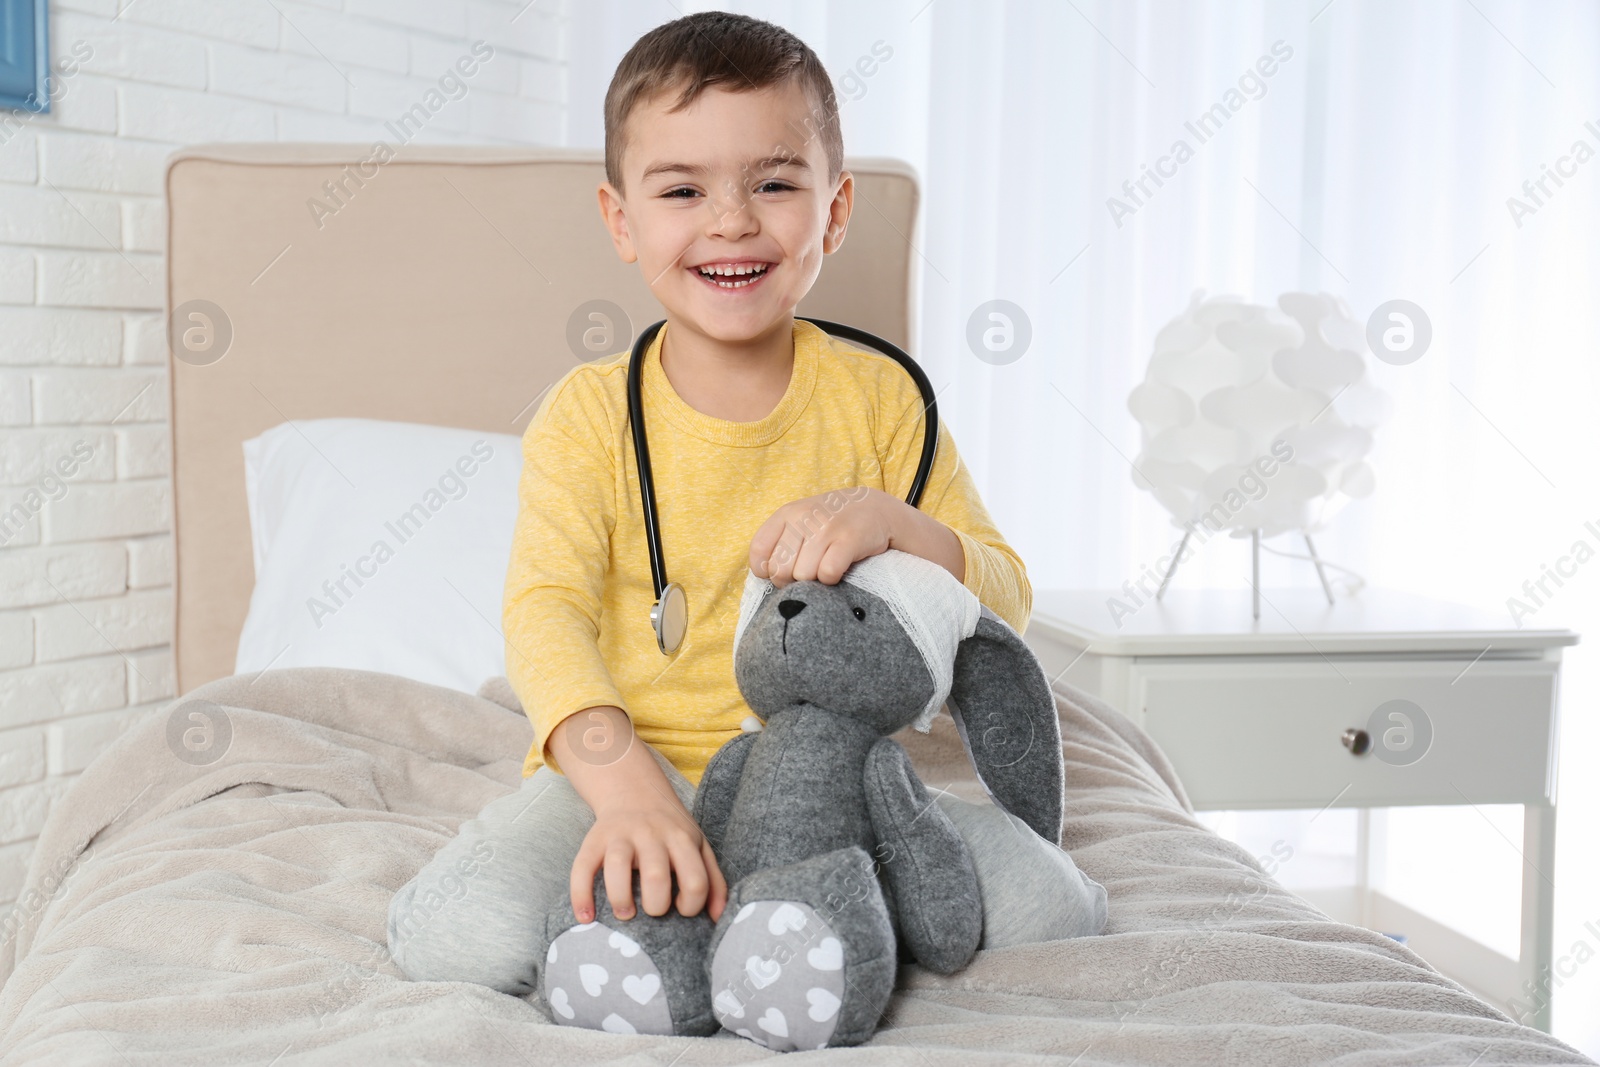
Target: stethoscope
669,615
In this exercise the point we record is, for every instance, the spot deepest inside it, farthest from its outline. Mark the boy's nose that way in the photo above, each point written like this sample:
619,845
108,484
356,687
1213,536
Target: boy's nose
790,608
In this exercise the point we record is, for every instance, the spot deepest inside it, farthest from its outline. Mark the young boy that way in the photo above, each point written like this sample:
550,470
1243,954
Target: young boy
774,450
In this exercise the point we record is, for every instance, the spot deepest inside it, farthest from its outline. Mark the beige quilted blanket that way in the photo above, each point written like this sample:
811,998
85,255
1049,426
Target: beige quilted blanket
213,890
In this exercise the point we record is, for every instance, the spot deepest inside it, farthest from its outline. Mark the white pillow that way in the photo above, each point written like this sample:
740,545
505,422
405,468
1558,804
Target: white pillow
381,546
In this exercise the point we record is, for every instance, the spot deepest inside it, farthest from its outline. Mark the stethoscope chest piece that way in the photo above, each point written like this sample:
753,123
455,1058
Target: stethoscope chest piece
669,617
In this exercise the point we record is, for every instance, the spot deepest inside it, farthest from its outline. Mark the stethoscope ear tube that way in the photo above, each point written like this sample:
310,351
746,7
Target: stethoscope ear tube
641,455
669,614
930,406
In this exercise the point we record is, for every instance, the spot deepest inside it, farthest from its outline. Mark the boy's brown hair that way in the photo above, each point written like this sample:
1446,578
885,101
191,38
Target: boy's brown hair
732,52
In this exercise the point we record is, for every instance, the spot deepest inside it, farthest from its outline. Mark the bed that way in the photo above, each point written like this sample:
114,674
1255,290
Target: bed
214,888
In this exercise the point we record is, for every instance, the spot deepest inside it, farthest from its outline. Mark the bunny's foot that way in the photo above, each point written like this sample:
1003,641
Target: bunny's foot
804,956
644,975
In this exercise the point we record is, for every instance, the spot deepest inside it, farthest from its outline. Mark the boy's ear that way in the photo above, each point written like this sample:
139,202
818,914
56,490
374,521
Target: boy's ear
839,213
611,213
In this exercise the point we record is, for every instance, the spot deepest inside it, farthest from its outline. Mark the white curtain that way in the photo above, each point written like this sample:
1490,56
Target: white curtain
1375,162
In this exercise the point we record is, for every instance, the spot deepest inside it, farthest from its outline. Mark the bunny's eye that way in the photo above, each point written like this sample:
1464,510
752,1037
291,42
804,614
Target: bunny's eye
858,613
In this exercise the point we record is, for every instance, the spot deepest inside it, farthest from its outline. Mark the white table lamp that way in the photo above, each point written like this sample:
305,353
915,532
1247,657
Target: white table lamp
1257,420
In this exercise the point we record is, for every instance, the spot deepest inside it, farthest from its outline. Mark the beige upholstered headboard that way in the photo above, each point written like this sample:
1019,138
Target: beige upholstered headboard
439,291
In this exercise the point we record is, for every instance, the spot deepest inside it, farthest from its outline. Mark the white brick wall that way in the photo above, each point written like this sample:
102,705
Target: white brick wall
86,556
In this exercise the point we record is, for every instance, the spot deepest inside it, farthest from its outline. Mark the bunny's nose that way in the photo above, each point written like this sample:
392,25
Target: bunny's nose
790,608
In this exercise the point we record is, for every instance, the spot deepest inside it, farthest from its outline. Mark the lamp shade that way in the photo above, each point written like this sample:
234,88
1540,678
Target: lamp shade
1258,418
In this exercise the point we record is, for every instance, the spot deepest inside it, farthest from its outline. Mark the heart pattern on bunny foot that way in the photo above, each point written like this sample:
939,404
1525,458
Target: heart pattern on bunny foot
777,977
601,979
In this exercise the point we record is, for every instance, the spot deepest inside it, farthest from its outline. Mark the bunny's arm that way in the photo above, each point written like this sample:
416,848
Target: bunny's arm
929,869
713,800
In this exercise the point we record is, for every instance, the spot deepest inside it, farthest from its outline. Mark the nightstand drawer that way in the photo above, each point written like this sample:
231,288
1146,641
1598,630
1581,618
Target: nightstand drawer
1266,733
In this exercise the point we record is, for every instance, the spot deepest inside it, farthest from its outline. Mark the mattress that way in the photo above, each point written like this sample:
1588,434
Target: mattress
214,890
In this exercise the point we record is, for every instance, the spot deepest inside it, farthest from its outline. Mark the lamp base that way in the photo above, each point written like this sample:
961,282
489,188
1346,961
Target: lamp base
1255,568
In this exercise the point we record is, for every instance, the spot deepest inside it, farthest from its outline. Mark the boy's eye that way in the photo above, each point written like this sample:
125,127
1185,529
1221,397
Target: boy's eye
685,192
858,613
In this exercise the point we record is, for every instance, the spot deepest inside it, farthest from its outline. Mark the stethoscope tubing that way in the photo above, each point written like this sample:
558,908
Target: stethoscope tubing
641,447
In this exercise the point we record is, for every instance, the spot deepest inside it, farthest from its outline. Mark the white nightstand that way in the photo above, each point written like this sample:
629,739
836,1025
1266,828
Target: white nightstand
1445,705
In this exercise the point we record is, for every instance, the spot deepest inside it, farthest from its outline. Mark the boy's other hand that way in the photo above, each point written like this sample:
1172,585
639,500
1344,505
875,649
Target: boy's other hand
639,823
816,538
656,835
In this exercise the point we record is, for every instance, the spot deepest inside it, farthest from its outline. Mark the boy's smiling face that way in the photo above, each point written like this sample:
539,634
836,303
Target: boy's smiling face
737,184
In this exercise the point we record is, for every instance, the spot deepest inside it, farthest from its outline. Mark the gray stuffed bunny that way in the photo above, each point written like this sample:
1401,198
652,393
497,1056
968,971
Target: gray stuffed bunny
837,858
836,854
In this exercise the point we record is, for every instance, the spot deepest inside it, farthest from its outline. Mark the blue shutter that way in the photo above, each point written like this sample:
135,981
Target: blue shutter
24,55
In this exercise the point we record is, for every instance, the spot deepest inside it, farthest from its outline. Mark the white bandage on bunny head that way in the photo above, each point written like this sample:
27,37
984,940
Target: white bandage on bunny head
936,611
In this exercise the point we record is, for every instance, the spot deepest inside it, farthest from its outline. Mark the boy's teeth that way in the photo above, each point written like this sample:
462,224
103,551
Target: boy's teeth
754,270
735,270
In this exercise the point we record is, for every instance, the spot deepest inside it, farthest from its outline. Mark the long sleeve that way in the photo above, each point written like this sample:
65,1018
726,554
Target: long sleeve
555,581
994,571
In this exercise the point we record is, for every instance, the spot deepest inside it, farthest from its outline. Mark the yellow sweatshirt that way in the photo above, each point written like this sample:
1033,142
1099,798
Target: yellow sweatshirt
578,590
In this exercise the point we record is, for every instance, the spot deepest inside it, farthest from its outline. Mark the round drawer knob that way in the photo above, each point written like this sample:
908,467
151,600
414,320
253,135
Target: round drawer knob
1357,741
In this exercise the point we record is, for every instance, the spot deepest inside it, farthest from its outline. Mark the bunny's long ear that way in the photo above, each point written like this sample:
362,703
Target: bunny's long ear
1006,715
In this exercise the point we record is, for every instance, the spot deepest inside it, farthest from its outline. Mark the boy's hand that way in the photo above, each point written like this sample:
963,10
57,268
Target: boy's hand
639,822
817,538
640,828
